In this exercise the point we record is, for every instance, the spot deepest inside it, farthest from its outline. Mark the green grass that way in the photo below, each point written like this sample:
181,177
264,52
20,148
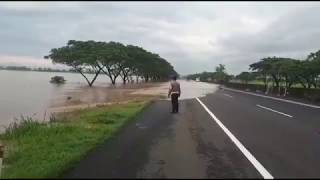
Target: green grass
47,150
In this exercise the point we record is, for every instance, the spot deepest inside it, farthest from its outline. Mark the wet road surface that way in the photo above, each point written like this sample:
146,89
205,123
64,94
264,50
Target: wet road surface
282,136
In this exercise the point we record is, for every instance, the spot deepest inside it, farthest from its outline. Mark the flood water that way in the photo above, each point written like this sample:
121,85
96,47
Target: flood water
30,93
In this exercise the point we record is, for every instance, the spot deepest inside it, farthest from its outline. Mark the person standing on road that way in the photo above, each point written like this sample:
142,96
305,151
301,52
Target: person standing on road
174,92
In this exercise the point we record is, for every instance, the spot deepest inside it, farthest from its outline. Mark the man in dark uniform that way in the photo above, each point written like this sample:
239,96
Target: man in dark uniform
174,92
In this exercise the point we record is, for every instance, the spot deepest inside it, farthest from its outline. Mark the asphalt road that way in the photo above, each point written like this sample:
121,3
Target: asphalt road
272,136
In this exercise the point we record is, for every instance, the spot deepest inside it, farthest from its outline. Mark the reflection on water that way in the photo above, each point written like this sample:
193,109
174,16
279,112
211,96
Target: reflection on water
30,93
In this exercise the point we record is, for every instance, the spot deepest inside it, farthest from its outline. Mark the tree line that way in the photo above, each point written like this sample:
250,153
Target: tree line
281,72
113,59
219,75
285,72
25,68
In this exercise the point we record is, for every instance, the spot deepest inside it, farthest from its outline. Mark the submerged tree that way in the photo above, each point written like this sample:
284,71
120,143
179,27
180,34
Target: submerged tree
113,59
77,55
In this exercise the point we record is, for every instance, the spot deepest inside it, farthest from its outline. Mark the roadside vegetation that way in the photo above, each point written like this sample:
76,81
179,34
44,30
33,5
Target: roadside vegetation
274,75
47,150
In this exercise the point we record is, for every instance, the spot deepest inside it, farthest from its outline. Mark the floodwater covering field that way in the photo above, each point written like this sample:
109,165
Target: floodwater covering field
30,93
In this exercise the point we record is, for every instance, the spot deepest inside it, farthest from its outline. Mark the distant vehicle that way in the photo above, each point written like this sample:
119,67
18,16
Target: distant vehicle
57,79
197,79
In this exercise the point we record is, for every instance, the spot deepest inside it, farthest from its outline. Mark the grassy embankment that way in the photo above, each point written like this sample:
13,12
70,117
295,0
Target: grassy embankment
42,150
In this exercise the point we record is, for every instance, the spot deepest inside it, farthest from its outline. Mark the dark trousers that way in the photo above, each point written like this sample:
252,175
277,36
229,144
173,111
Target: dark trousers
175,103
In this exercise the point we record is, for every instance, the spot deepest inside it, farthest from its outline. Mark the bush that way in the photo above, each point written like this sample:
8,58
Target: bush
57,79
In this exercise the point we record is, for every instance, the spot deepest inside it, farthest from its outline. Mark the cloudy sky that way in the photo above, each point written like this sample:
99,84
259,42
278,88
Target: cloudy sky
192,36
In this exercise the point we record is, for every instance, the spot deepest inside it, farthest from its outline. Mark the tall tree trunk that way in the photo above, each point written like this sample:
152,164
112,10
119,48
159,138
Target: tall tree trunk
276,80
279,87
112,75
265,84
314,82
95,77
85,77
309,83
90,83
302,83
113,81
285,85
146,78
272,86
315,85
124,75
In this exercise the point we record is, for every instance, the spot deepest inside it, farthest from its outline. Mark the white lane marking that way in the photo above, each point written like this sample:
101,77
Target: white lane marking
274,98
228,95
274,111
249,156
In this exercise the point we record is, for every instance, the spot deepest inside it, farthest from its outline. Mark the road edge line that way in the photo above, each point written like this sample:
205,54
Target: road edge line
228,95
272,110
259,167
274,98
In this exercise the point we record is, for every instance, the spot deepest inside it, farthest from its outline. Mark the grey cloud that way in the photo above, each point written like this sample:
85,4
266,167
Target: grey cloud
295,34
296,31
164,28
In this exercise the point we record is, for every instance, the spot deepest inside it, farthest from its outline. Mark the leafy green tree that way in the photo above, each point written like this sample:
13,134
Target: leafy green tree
313,63
78,55
112,56
221,75
265,68
138,55
113,59
245,77
289,68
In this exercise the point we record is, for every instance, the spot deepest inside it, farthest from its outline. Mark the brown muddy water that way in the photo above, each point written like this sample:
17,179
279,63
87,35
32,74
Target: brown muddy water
30,94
